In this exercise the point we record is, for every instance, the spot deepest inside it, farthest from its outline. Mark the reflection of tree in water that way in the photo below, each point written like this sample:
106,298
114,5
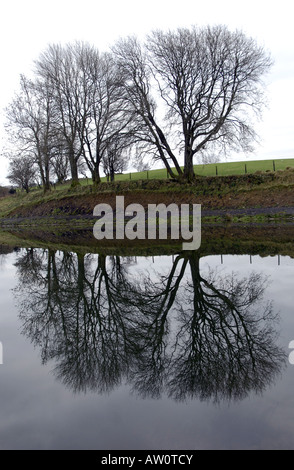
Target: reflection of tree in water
182,334
223,338
226,341
73,313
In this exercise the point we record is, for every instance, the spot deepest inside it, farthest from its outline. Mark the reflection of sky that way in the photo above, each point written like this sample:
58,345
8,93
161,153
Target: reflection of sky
37,412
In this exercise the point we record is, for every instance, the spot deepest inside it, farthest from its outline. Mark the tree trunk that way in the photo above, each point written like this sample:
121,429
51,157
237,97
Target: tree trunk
81,274
96,175
73,167
111,170
188,167
46,183
74,173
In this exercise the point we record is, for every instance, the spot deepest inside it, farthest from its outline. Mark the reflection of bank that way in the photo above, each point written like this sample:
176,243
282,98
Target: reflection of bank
216,239
182,333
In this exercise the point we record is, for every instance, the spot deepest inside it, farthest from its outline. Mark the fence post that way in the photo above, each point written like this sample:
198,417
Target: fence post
130,176
216,170
274,165
245,169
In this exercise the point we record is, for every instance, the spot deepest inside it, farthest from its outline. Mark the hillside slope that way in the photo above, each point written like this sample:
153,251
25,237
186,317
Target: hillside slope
262,191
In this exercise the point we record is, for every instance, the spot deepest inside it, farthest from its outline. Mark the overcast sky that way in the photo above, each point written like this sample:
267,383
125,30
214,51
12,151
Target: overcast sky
28,26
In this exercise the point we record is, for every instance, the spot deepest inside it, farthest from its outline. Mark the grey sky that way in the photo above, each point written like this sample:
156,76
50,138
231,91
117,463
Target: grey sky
27,27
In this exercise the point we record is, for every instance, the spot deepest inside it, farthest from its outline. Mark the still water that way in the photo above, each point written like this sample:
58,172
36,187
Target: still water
164,352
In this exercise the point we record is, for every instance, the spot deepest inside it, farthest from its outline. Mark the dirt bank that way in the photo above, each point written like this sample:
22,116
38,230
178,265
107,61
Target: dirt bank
277,199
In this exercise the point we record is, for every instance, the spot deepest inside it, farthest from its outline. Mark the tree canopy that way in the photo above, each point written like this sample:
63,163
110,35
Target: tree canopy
174,97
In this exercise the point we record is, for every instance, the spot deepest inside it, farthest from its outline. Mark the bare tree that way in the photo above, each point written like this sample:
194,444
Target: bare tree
182,95
116,157
209,83
57,67
132,61
30,123
108,112
92,111
60,162
22,172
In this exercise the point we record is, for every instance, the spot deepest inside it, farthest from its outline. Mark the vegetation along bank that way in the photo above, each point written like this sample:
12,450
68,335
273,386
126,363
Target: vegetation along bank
268,193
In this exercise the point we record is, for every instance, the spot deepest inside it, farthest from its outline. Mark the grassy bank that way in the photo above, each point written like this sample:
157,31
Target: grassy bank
220,193
208,170
251,213
216,169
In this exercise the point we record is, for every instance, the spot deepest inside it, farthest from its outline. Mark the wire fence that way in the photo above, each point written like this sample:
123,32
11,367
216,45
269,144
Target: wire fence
219,169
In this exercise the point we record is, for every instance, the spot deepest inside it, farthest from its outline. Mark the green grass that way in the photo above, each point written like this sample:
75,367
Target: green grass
241,168
212,169
132,181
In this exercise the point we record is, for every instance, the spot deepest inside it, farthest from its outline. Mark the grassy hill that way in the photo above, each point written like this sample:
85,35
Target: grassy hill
211,169
261,189
237,200
221,169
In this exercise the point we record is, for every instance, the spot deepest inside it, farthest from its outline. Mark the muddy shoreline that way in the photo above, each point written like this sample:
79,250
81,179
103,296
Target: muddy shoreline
274,212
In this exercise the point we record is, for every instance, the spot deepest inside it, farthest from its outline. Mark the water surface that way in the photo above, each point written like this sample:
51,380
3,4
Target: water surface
164,352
